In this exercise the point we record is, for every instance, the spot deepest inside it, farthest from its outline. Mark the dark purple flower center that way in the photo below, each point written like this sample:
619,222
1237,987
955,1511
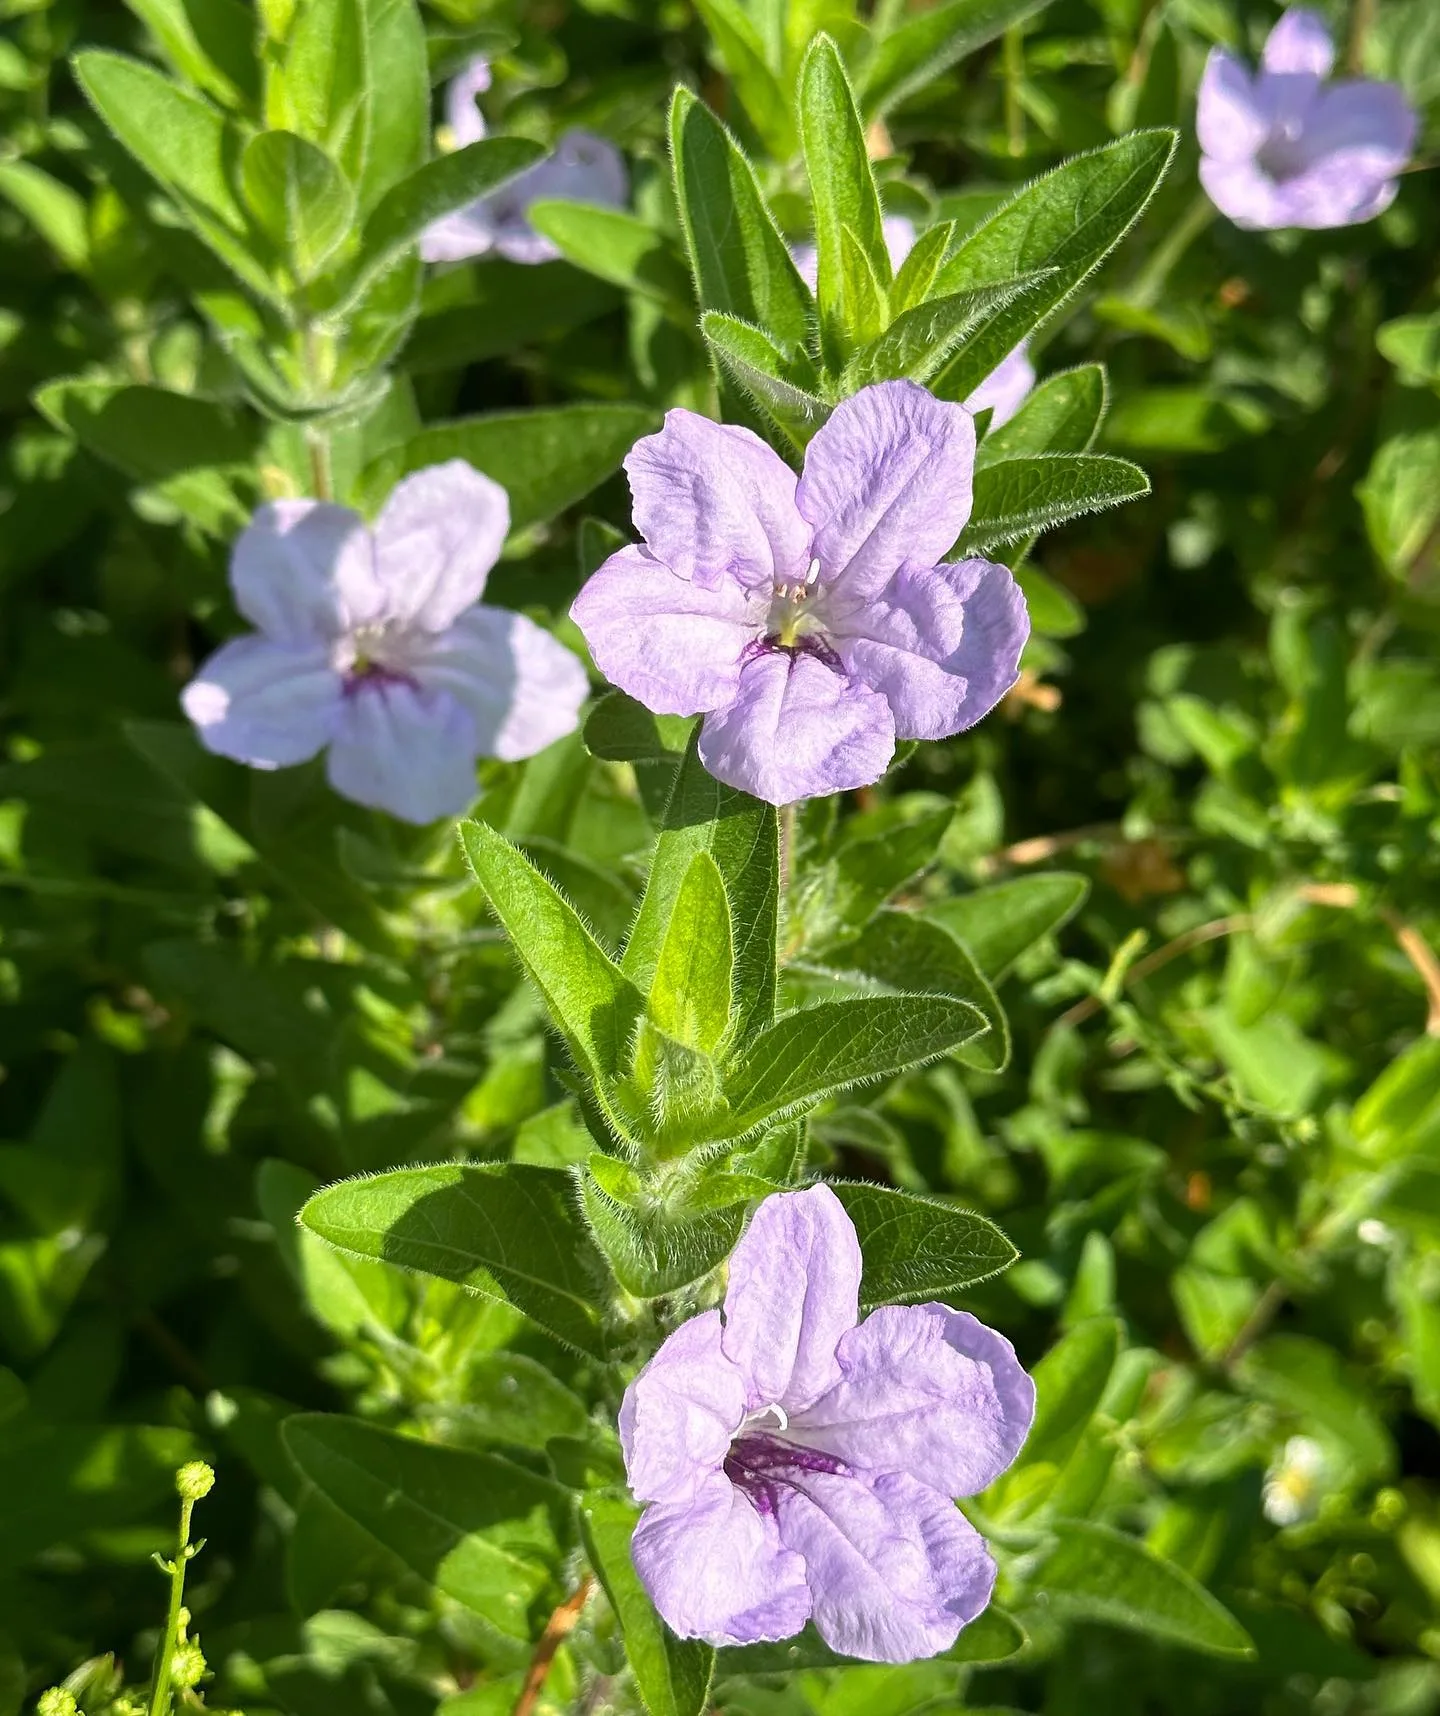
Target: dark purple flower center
761,1466
1284,155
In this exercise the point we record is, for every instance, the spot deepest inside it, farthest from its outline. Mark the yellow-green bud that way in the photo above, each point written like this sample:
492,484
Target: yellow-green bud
194,1480
187,1666
57,1702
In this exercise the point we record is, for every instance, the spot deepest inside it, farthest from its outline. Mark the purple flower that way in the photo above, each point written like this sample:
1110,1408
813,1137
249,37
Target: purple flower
370,646
583,169
1282,148
811,622
800,1464
1006,387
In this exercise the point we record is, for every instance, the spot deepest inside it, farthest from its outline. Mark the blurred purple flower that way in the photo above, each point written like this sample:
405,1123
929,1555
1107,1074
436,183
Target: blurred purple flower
370,645
1282,148
1004,390
811,622
583,168
800,1464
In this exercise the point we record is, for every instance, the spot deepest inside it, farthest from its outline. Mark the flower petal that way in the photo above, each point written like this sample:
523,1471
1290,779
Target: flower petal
797,729
680,1412
403,749
671,643
717,1570
942,646
713,500
270,705
794,1290
583,168
1005,389
523,689
1232,118
887,483
1300,42
459,235
304,570
462,115
440,533
894,1568
924,1390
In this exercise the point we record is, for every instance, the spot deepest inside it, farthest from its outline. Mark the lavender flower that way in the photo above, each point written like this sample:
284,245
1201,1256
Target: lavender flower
800,1464
584,168
370,646
812,622
1281,148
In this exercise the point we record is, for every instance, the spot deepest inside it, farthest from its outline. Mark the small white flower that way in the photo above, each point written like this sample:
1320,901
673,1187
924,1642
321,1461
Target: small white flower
1295,1482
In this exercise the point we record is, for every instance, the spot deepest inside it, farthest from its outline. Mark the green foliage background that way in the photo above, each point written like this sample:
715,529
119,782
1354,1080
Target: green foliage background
1193,858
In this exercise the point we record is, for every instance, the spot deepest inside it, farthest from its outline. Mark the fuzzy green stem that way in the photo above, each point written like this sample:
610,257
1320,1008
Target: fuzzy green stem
160,1700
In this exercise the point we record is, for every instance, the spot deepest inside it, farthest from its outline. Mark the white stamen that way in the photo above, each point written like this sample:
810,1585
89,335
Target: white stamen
810,577
782,1418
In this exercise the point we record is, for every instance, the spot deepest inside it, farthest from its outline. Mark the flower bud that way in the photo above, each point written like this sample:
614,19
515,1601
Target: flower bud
57,1702
187,1666
194,1480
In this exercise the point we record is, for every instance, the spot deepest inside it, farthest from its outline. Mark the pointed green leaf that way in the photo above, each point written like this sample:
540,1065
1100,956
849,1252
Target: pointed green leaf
757,365
298,198
916,274
760,91
929,42
211,43
741,263
918,1248
591,1002
1062,415
615,245
673,1675
506,1230
476,1527
818,1051
624,731
743,837
1015,498
1069,220
58,213
843,194
690,992
918,343
1000,922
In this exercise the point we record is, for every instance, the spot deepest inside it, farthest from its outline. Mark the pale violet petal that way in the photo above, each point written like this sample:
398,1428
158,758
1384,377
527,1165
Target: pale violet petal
435,541
583,168
404,750
304,571
462,115
887,483
667,641
924,1390
270,705
797,728
1006,388
942,645
680,1413
894,1568
794,1290
713,501
459,235
1300,42
523,689
716,1569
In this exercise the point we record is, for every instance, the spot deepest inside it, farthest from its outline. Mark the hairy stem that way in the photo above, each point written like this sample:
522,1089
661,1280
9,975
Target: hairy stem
557,1627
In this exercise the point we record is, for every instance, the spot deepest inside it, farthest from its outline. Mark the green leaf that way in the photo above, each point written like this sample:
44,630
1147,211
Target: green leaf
820,1050
505,1230
1062,415
510,1399
1098,1574
476,1527
740,261
690,994
761,370
907,953
877,855
399,96
918,1248
322,86
298,198
990,1637
614,245
591,1002
623,731
651,1250
842,192
447,183
57,213
928,43
1412,344
545,460
919,341
1070,1382
211,43
761,93
1015,498
916,274
183,143
742,836
1399,1116
493,311
1000,922
673,1675
1069,220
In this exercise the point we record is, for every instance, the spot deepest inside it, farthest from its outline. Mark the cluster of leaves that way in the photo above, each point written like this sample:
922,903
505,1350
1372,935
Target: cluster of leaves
1207,1112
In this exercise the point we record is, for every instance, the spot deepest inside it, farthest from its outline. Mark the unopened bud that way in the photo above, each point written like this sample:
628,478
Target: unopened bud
187,1666
57,1702
194,1480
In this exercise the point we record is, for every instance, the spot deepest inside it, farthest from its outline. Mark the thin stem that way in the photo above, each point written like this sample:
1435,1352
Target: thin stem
1014,77
321,474
160,1703
1150,282
1361,18
1196,937
560,1624
787,845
